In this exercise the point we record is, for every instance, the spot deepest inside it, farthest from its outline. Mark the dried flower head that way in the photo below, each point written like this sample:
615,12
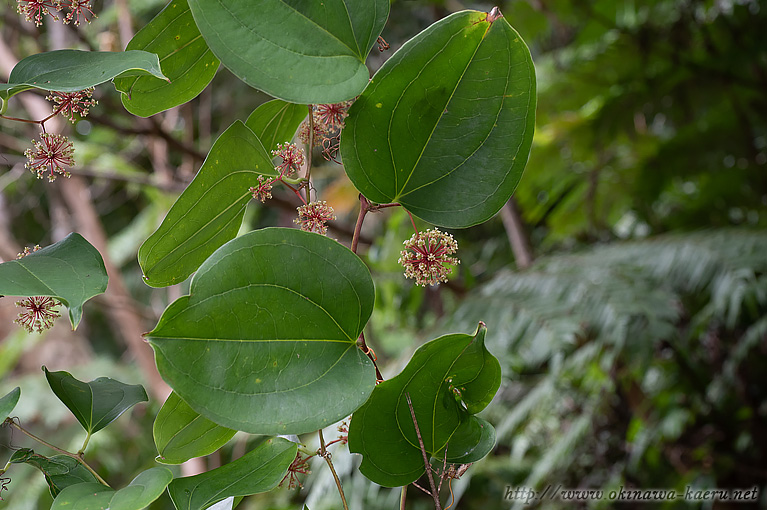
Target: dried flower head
312,217
35,10
77,9
292,158
51,154
263,191
332,115
299,465
426,257
69,103
38,314
328,121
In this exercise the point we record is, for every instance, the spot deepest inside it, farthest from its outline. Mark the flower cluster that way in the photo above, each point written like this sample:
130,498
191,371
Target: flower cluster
328,121
27,251
292,158
69,103
263,191
299,465
38,314
312,217
52,154
35,10
426,257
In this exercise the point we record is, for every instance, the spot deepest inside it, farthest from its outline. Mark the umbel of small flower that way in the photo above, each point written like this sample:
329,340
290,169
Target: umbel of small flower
426,257
328,121
52,154
38,311
35,10
292,158
313,216
69,103
263,191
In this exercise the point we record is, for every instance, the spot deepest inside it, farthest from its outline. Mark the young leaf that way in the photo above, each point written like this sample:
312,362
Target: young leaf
95,404
446,124
180,433
302,52
258,471
276,122
74,70
145,488
266,340
60,471
71,271
8,403
448,380
209,211
186,60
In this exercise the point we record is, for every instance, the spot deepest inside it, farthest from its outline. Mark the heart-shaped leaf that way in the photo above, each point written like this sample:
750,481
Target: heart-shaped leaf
180,433
209,211
186,60
71,271
302,52
448,380
74,70
8,403
276,122
95,404
446,124
60,471
266,340
145,488
258,471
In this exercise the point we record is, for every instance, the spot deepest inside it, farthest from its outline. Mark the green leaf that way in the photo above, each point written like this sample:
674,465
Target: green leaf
299,51
8,403
266,340
143,490
74,70
209,211
446,124
180,433
448,380
60,471
258,471
72,271
276,122
186,60
95,404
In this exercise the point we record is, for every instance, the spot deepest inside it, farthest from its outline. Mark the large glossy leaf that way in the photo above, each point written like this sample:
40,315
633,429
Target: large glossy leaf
266,340
71,270
186,60
8,403
446,124
276,122
448,380
73,70
60,471
95,404
258,471
209,211
297,50
180,433
145,488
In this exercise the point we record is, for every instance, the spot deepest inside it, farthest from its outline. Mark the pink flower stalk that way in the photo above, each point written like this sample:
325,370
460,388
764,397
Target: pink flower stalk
35,10
426,257
312,217
69,103
299,465
77,9
292,158
263,191
52,154
38,314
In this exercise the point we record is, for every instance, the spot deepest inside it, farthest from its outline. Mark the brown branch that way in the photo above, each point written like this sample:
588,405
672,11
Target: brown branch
434,493
515,231
323,452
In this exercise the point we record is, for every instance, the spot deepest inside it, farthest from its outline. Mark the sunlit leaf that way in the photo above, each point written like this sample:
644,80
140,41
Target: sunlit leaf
180,433
60,471
209,211
448,380
266,340
185,58
303,52
258,471
446,124
71,271
145,488
95,404
276,122
8,403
